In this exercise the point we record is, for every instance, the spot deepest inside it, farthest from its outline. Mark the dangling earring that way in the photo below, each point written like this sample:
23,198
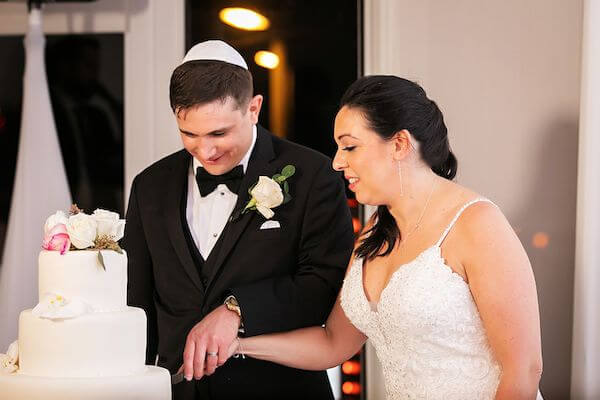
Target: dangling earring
401,185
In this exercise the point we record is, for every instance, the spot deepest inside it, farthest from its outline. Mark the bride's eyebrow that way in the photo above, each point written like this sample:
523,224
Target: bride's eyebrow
343,135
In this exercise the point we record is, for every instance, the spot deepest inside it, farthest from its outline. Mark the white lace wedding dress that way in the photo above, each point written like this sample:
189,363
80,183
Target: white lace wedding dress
426,330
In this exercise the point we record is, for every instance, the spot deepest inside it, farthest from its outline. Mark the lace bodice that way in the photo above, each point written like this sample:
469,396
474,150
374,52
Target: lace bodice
426,330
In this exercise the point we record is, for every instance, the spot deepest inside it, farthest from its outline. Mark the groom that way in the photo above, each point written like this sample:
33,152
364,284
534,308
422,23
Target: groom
205,271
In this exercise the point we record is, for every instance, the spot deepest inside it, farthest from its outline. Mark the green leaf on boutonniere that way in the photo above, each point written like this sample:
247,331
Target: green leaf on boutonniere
286,192
101,260
278,178
288,171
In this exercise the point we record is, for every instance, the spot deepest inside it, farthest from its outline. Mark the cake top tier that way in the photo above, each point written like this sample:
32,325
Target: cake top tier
79,276
82,268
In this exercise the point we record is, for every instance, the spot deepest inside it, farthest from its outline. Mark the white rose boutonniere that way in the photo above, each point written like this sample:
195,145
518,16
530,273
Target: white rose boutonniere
269,193
109,224
82,230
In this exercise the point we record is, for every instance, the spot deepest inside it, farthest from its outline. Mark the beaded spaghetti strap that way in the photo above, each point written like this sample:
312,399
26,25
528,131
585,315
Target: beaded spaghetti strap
463,208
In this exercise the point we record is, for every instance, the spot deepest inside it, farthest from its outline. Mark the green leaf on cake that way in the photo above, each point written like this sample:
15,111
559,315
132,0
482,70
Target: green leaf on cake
101,260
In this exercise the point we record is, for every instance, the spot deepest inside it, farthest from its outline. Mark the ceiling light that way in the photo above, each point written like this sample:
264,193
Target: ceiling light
266,59
243,18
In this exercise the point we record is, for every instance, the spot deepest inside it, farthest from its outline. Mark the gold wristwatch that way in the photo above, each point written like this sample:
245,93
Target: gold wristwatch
232,305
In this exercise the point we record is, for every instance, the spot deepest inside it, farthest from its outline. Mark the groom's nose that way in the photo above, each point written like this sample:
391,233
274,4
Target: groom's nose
206,151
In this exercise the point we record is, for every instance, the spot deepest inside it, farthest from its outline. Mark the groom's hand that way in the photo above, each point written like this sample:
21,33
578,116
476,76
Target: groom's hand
213,335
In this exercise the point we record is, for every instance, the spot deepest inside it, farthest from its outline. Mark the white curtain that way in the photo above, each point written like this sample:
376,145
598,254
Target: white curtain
40,188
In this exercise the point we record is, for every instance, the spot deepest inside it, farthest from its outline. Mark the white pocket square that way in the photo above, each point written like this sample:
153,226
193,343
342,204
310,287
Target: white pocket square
270,224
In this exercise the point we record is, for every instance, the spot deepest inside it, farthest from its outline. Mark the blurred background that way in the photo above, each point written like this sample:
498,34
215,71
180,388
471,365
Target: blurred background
506,75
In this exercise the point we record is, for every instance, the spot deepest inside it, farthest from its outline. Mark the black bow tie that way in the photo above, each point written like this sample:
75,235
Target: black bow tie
207,183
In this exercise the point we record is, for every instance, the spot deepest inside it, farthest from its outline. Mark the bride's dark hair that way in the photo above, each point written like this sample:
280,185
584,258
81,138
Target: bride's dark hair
390,104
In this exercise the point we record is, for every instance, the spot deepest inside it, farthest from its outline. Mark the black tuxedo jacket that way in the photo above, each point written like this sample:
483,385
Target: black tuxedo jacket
283,278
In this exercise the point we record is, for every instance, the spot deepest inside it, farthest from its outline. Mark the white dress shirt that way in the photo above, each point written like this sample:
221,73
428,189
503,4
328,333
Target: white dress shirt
207,216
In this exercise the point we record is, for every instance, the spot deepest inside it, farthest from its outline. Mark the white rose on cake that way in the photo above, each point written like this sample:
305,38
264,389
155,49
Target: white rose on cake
56,219
82,229
109,224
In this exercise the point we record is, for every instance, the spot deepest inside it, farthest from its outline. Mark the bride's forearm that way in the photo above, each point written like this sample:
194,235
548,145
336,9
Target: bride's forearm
308,348
314,348
519,383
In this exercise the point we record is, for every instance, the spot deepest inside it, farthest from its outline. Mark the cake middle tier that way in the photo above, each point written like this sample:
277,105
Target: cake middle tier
80,274
96,344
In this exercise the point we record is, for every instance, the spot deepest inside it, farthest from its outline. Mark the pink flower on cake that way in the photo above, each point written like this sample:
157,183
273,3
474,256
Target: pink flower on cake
57,239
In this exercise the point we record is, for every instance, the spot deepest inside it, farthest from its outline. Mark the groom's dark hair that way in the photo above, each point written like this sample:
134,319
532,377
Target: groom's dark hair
200,82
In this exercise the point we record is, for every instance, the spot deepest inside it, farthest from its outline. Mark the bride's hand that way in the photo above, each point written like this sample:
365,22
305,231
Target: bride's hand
233,348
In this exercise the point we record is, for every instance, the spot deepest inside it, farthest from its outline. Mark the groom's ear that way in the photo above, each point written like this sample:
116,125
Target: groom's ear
401,144
254,106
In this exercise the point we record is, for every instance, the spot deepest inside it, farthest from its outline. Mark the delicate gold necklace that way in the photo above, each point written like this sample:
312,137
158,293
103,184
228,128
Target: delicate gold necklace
433,185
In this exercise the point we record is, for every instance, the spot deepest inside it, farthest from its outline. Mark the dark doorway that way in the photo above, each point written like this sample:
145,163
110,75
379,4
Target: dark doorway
319,47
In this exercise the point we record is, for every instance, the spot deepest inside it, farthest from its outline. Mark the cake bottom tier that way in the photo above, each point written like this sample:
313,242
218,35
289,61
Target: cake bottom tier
152,384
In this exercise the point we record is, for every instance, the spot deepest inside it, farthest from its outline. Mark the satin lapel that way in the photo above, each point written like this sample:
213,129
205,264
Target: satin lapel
173,203
259,164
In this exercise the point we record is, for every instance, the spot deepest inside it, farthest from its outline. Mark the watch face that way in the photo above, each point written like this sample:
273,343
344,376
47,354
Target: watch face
232,301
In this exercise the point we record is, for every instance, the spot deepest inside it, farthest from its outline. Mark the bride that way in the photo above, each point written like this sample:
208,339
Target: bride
438,281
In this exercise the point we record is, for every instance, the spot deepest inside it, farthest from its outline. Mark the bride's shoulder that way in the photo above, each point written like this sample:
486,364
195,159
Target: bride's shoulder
474,211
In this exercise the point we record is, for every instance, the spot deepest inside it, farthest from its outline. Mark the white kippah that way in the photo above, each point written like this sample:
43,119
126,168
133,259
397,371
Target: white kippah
215,50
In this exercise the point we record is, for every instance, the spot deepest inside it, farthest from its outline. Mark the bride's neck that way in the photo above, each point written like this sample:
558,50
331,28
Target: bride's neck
407,203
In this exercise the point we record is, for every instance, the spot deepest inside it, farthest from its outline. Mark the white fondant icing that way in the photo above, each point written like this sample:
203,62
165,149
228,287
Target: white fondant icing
98,344
79,274
151,383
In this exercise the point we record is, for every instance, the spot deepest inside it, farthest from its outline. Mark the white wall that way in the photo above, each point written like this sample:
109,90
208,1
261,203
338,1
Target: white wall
506,75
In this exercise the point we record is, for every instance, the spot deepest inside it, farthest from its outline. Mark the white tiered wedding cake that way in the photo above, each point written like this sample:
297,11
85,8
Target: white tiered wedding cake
82,341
